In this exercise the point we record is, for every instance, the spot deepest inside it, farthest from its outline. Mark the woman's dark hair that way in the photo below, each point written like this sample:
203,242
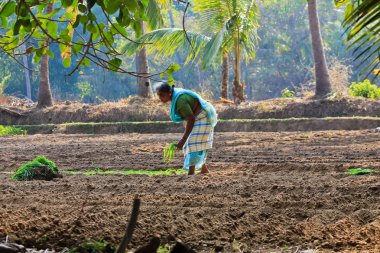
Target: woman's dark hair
163,87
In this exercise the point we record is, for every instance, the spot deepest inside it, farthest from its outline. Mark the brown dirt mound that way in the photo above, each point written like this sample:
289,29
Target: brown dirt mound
15,102
139,109
265,190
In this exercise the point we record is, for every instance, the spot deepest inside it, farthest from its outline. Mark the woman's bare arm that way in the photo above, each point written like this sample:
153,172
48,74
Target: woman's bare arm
190,121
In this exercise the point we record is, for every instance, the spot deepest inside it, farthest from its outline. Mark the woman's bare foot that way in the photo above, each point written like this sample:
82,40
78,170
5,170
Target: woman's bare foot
191,170
204,169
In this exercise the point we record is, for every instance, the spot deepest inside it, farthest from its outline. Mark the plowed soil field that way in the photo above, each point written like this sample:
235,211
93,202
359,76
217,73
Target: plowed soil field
266,191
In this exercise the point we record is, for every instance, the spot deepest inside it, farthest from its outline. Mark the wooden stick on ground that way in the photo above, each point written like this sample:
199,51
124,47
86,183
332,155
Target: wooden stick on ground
131,226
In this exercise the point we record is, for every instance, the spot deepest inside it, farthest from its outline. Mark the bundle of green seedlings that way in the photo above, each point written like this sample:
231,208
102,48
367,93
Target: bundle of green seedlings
39,168
169,152
10,130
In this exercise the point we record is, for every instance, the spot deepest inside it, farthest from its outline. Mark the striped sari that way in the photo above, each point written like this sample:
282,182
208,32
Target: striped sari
199,142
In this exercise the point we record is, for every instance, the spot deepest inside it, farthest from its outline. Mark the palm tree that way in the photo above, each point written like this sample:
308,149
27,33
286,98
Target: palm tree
45,98
234,24
363,26
323,84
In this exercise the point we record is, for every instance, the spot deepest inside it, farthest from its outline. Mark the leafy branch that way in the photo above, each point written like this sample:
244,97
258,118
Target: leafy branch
41,30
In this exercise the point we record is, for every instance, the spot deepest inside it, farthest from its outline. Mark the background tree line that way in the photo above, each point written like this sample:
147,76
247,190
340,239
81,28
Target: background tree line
280,58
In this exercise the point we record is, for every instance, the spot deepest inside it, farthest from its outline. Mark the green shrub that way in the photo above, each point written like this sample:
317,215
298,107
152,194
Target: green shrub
286,93
10,130
86,90
32,170
365,89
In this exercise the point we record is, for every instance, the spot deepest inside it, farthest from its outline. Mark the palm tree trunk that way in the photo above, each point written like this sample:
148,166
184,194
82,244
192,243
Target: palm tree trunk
27,76
323,84
225,75
237,88
45,98
144,88
247,85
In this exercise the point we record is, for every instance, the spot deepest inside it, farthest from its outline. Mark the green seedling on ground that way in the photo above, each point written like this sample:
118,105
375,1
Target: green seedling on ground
167,172
169,152
28,170
361,171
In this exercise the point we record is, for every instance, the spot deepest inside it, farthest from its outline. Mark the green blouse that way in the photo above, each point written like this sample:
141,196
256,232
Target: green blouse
184,106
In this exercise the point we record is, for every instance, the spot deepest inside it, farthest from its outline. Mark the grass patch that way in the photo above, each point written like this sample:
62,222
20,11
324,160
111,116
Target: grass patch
361,171
39,168
168,172
11,130
166,126
171,123
300,119
94,247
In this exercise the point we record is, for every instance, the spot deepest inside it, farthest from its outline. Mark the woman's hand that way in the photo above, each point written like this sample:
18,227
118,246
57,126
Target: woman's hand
180,144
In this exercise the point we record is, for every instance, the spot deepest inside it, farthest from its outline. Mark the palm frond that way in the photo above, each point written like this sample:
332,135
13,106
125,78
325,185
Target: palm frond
223,18
164,3
212,13
154,15
228,19
248,35
165,42
362,23
214,47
